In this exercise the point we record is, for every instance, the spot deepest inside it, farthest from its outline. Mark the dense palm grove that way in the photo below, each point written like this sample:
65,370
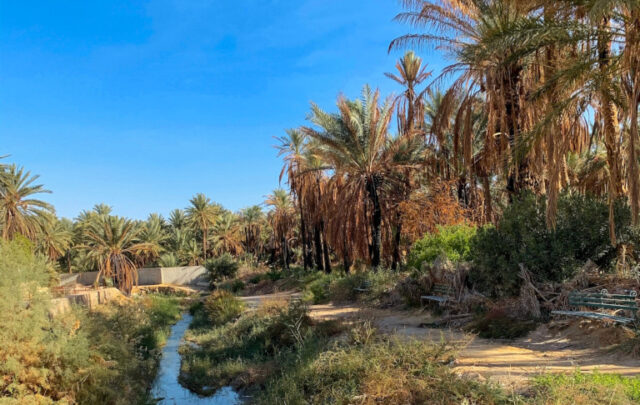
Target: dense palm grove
540,99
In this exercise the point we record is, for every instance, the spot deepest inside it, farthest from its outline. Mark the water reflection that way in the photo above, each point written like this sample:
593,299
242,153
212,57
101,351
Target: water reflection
166,385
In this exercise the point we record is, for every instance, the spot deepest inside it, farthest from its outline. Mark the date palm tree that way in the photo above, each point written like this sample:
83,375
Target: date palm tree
226,234
20,212
202,216
54,238
154,233
282,221
113,244
354,144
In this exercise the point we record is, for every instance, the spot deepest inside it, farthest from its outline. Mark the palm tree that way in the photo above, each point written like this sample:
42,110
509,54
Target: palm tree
202,216
354,144
54,238
252,219
20,213
178,219
113,244
226,234
281,218
153,232
411,73
293,148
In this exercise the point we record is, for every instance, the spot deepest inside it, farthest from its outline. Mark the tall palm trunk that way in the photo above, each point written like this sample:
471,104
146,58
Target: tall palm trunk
633,38
325,250
396,241
376,223
633,158
318,246
303,234
285,253
609,113
346,263
488,209
204,242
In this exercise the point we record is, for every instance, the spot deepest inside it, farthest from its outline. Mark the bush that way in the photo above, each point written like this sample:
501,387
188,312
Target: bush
106,356
453,241
222,267
222,306
521,237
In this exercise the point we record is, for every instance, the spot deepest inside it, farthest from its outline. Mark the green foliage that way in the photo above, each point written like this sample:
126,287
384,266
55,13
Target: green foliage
231,349
222,267
222,306
107,356
380,370
42,358
320,287
581,388
521,236
498,324
126,343
453,241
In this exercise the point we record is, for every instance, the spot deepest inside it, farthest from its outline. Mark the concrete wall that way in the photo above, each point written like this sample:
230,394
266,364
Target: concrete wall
189,275
90,299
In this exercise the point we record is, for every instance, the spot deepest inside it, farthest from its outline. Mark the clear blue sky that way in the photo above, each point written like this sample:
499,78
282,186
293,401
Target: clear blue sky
140,105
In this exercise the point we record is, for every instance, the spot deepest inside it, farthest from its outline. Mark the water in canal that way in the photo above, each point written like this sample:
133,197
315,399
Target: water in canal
166,385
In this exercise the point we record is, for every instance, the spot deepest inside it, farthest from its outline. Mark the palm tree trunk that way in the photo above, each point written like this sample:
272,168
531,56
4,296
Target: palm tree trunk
303,234
285,254
633,158
325,250
396,241
376,223
345,251
486,189
609,114
318,247
204,244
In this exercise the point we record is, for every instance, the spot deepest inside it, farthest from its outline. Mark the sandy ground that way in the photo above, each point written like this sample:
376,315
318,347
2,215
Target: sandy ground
510,363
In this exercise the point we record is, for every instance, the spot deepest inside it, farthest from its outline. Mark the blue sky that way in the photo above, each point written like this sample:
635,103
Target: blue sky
140,105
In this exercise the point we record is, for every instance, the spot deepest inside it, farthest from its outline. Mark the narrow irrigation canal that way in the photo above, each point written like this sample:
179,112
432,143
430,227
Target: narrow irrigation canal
166,386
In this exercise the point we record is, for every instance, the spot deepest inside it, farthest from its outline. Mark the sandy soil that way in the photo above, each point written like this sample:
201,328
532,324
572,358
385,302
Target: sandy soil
561,347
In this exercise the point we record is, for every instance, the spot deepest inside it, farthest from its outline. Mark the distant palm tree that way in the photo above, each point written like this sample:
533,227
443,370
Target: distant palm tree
252,219
226,234
202,216
20,213
112,243
154,233
178,219
282,221
54,238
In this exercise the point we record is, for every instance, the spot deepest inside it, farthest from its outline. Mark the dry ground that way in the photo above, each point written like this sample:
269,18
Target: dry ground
562,346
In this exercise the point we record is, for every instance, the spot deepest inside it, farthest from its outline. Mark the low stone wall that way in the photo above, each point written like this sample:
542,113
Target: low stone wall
89,299
188,275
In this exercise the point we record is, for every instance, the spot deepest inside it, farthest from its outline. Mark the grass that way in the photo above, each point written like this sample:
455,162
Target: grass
126,341
581,388
283,356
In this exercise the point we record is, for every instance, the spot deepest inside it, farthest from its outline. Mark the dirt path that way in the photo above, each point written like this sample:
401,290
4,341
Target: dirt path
510,363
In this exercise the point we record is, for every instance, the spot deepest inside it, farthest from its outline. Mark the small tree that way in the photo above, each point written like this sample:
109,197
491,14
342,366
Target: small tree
220,268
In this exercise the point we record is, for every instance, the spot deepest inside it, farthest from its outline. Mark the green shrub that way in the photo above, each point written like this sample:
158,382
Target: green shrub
522,237
221,268
222,306
76,357
498,324
453,241
257,278
232,349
